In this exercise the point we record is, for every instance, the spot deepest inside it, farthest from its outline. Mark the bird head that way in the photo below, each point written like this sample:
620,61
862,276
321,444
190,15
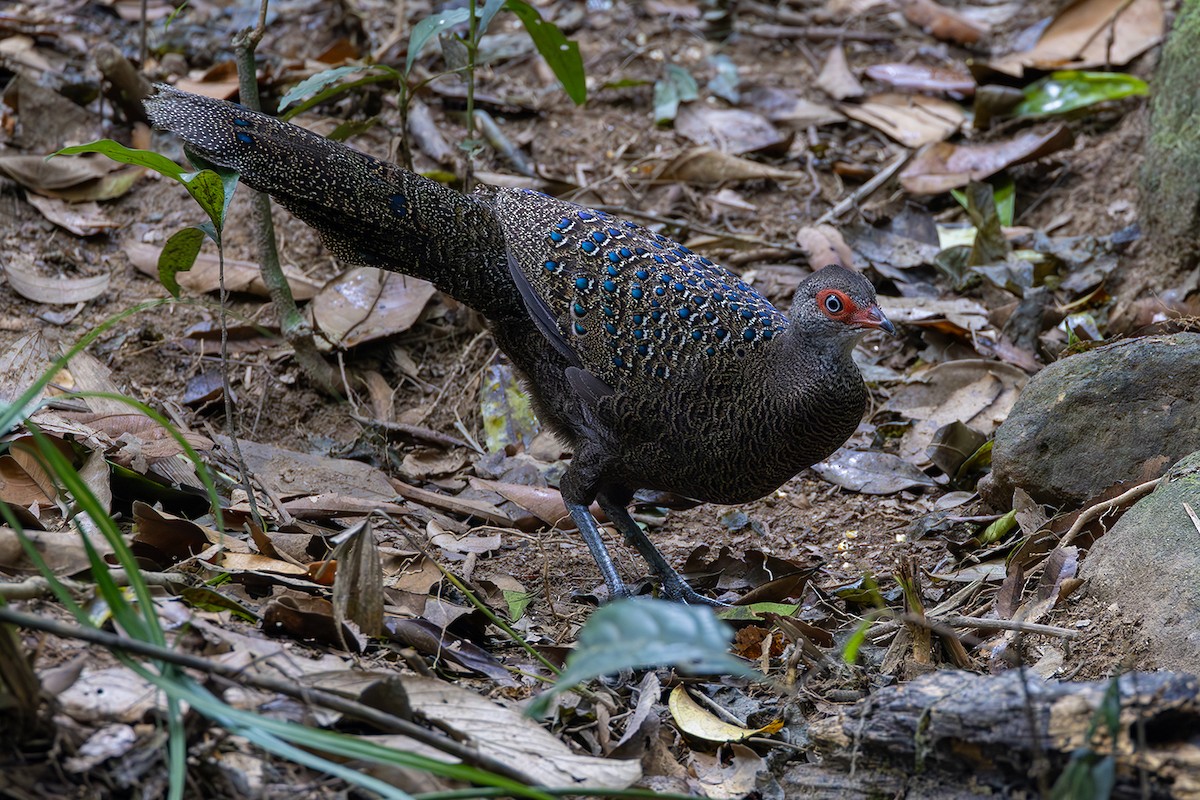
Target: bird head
838,305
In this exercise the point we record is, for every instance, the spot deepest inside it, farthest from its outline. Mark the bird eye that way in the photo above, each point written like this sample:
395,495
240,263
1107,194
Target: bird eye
833,304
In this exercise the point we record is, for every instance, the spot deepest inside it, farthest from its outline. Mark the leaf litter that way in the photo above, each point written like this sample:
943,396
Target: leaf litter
502,532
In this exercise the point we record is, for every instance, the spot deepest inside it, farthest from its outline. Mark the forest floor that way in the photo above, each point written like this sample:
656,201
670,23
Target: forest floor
427,361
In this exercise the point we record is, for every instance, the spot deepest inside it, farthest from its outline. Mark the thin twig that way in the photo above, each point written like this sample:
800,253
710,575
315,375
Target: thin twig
866,190
1009,625
1101,508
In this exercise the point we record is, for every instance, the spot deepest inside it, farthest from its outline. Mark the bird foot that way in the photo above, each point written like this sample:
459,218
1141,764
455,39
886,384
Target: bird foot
682,593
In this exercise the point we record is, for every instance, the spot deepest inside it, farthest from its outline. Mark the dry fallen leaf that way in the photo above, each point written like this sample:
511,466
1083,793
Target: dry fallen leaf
204,276
1091,33
364,304
705,165
912,120
836,79
944,166
730,130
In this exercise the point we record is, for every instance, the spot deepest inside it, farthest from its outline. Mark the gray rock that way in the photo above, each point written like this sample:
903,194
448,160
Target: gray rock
1145,571
1123,412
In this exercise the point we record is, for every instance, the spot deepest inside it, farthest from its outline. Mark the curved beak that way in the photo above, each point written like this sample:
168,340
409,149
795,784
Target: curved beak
873,317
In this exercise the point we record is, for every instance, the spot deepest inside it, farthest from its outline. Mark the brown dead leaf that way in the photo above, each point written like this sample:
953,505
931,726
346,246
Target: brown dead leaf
81,219
912,120
731,130
975,392
33,284
921,78
824,245
204,276
943,166
705,165
941,22
836,79
364,304
958,316
1091,33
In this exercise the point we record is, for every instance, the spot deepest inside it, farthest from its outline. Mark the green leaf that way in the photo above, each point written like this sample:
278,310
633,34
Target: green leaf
490,9
1000,528
517,602
1070,90
1004,194
561,54
854,644
625,83
639,633
317,82
126,155
724,83
178,255
429,27
677,86
213,192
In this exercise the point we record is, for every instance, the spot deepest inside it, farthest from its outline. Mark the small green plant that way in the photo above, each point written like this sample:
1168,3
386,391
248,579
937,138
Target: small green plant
461,55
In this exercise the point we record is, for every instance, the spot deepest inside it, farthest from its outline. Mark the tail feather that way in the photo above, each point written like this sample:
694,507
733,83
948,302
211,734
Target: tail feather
367,211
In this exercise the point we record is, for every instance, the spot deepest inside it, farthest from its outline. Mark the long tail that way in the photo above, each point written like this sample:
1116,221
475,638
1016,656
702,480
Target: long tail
367,211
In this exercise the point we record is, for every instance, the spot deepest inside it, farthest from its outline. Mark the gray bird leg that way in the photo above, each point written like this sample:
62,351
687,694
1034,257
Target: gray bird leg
674,586
590,531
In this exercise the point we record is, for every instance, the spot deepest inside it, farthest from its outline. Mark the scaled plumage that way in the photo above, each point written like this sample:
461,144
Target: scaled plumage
658,367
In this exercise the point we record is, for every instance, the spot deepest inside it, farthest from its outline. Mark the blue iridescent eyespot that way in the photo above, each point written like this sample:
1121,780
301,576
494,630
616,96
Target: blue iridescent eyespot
697,335
618,361
612,329
656,316
768,334
245,123
660,291
614,232
581,283
579,310
244,138
608,312
637,319
708,351
563,224
678,286
587,247
710,316
609,286
556,237
585,215
748,334
626,252
638,333
720,333
747,315
551,266
642,274
659,259
643,349
636,293
641,251
614,258
579,329
598,236
612,270
684,313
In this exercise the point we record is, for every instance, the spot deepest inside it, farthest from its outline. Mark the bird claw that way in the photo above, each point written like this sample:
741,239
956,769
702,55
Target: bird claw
682,593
